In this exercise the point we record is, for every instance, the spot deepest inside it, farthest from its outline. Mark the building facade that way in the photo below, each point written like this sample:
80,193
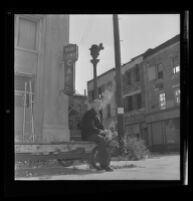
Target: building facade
134,99
162,93
132,82
106,91
78,105
151,95
41,107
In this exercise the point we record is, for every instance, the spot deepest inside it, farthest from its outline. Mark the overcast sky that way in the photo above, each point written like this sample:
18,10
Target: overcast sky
137,34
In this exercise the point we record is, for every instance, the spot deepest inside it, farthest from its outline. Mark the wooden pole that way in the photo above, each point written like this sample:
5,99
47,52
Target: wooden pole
23,134
119,100
31,107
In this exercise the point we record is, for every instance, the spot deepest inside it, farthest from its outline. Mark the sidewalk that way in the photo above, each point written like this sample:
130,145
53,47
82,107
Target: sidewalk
155,168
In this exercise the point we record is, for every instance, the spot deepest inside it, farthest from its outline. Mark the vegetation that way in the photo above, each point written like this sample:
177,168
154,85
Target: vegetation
133,149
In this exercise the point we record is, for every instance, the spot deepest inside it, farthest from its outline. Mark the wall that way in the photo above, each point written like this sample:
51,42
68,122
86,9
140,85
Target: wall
111,94
169,80
55,119
45,64
77,108
159,131
108,96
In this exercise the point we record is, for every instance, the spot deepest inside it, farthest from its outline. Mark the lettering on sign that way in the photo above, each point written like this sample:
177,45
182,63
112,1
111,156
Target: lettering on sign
71,52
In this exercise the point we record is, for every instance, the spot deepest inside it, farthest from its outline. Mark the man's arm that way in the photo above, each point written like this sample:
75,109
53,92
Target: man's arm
92,127
92,124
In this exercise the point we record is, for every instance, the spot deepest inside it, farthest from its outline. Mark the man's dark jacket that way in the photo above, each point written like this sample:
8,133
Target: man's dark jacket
90,124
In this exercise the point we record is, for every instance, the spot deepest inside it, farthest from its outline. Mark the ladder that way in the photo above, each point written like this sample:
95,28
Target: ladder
31,111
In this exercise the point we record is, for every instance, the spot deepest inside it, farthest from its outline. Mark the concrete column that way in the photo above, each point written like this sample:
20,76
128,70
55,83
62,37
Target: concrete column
55,103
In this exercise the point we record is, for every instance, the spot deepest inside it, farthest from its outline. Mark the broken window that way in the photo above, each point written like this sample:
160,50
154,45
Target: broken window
137,74
151,73
175,65
160,71
162,99
177,96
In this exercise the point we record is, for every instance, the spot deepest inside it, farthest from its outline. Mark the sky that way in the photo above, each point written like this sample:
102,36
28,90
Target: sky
138,32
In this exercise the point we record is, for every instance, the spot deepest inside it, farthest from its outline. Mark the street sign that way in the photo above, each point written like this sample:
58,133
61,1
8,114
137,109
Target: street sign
69,77
70,56
120,110
71,52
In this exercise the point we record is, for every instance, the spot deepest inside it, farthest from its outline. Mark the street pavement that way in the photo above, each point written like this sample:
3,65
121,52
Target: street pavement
166,167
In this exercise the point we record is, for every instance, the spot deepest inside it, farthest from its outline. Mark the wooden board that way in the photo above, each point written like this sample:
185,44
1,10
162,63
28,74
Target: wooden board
71,155
53,148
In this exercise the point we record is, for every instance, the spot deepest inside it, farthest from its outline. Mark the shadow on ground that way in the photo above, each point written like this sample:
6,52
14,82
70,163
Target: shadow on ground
48,172
52,172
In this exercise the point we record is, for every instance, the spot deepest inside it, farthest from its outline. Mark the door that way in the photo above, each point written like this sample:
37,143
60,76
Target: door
157,135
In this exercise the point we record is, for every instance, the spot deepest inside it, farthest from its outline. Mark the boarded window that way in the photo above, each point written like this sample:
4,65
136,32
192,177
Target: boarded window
103,87
137,74
159,86
128,77
160,71
108,111
139,101
91,95
128,103
109,85
27,34
157,135
151,73
125,104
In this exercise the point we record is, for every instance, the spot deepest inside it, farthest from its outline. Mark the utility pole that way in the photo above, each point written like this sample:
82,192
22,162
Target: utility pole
119,100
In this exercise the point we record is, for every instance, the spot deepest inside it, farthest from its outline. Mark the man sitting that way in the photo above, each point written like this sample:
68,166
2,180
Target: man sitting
93,130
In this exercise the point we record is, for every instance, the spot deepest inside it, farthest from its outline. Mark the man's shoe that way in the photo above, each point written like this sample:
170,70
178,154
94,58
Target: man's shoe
108,169
99,168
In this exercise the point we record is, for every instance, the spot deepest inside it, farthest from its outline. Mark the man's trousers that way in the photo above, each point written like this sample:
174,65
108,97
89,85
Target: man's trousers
104,152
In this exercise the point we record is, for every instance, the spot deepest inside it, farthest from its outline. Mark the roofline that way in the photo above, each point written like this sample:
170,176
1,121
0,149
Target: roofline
146,54
112,69
168,43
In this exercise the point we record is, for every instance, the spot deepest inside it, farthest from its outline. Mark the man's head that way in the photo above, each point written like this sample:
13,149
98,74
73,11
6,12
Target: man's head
97,105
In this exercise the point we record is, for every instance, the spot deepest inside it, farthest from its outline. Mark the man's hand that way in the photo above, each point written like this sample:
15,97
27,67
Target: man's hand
102,132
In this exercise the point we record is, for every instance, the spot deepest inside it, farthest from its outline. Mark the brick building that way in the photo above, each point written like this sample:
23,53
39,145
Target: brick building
132,78
162,93
106,88
134,98
151,94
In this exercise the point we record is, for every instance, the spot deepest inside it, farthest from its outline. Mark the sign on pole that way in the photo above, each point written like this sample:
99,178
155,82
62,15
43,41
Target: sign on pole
70,57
